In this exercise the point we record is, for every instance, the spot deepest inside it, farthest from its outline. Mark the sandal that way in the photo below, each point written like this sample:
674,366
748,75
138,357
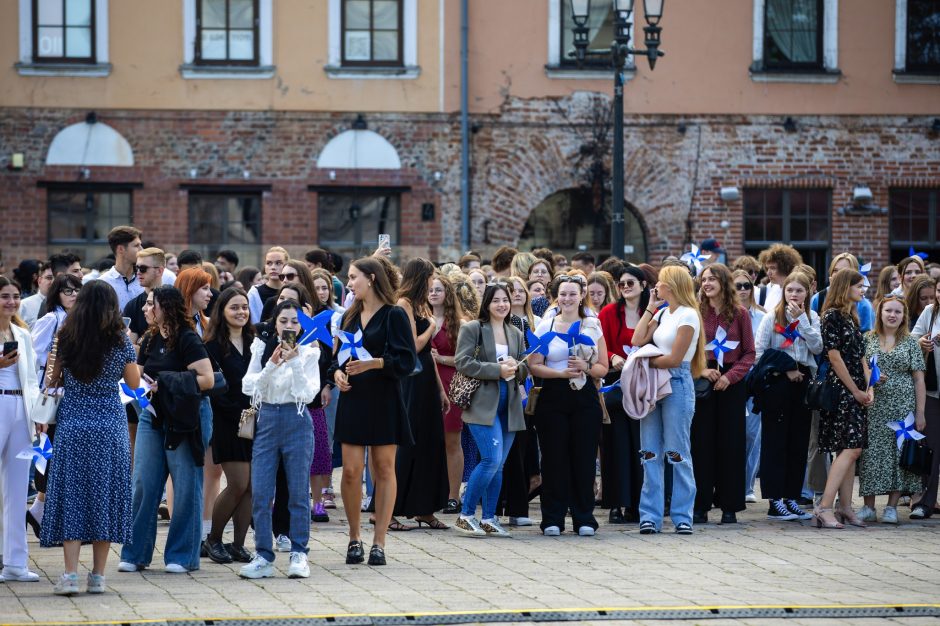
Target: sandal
433,523
397,526
822,522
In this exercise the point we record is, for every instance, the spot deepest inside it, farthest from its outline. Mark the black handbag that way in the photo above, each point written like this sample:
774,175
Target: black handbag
931,372
820,396
916,457
703,388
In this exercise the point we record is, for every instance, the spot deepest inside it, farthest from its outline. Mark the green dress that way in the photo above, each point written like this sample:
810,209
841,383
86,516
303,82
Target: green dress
879,473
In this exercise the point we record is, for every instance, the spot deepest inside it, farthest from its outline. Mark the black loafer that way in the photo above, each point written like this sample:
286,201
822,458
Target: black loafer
376,555
452,507
238,553
33,523
616,517
354,553
217,552
699,518
728,517
203,550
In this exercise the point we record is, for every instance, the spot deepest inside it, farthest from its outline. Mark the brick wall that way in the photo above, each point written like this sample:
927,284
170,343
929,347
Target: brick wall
674,168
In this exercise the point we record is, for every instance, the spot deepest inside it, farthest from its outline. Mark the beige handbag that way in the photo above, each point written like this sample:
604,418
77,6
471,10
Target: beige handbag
47,404
247,422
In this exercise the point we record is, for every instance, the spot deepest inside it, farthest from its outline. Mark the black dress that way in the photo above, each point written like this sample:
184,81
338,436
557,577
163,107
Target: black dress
846,427
421,467
372,412
227,408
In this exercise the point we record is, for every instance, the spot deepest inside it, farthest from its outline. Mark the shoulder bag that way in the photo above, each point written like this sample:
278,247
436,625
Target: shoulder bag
916,457
247,422
47,404
462,387
820,396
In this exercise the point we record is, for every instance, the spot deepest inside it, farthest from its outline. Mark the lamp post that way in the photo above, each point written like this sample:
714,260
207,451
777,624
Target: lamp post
620,52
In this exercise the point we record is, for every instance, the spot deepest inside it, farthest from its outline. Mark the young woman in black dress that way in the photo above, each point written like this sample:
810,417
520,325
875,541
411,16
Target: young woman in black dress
372,412
228,339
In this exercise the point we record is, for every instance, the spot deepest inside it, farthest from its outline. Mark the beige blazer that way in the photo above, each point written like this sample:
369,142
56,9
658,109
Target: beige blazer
484,367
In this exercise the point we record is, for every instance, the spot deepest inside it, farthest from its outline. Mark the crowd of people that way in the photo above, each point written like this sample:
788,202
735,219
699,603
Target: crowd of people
452,389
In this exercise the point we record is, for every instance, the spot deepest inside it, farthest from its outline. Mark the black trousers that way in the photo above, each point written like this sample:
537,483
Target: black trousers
514,493
621,472
932,415
569,424
785,425
718,449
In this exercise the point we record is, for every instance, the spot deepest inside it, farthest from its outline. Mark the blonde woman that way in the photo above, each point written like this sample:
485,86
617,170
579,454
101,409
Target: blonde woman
467,294
478,279
521,306
676,329
521,263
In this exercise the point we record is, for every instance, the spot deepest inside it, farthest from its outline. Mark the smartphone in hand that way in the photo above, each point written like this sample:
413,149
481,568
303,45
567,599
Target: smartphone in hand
289,338
385,241
10,346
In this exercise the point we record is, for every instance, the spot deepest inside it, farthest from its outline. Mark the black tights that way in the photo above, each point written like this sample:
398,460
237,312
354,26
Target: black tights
234,503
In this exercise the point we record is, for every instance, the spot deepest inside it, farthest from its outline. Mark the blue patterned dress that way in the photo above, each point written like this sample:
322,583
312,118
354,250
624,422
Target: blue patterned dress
88,497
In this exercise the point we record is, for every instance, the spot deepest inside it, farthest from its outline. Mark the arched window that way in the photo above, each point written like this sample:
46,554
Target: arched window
567,222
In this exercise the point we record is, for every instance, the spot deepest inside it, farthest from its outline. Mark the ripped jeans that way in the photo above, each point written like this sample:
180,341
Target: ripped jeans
665,433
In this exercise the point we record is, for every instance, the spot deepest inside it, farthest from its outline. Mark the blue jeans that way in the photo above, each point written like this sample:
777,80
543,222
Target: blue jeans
665,433
494,442
282,436
152,464
752,451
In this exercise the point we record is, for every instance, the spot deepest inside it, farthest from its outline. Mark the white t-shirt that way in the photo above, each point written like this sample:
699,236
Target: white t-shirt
665,334
774,296
557,358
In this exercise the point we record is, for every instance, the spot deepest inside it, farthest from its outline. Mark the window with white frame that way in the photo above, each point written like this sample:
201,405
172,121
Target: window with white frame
228,39
917,37
793,37
63,37
373,38
600,37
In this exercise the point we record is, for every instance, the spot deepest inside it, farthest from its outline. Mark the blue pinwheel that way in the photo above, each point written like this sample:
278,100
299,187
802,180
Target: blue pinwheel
695,259
912,252
904,429
528,388
39,453
790,333
538,343
315,328
863,270
720,345
574,337
139,394
350,346
875,371
610,387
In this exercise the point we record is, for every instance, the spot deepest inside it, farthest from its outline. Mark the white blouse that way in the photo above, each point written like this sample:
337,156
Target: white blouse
802,350
297,380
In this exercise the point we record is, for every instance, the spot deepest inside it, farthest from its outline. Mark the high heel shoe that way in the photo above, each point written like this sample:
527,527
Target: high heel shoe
822,523
848,516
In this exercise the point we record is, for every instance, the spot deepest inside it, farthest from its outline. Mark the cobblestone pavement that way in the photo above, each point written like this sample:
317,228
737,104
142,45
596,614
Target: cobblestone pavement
755,562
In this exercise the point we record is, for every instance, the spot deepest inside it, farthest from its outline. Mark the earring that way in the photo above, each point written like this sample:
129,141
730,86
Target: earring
370,285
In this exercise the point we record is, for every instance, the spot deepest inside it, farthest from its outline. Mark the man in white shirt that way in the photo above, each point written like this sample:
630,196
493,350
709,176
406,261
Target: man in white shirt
29,307
125,243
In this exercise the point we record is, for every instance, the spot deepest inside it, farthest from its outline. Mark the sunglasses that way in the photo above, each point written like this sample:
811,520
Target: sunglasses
628,283
143,269
69,291
571,279
743,286
287,277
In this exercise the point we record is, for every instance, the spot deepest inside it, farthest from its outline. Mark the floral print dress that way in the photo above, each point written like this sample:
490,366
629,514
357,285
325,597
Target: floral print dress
846,427
894,399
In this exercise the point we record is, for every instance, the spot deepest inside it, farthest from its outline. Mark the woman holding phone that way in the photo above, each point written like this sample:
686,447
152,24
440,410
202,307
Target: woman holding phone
283,377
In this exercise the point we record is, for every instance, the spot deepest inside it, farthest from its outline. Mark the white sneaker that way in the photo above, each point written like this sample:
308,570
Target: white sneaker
469,526
586,531
282,543
95,583
67,585
918,512
551,531
889,515
126,566
174,568
750,498
19,574
298,566
520,521
867,514
259,567
492,528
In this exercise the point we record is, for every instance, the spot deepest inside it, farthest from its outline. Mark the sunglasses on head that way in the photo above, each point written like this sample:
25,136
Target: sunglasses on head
743,286
571,279
287,277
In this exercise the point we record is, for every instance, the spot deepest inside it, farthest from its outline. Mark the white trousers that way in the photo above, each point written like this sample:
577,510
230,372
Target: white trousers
14,479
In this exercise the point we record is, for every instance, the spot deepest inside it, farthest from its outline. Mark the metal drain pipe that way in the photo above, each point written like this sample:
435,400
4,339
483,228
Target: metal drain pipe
464,130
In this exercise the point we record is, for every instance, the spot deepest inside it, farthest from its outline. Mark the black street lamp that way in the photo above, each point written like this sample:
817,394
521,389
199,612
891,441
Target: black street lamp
620,52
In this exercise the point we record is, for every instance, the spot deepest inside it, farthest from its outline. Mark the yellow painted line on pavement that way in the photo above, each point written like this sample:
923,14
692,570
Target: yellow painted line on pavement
595,609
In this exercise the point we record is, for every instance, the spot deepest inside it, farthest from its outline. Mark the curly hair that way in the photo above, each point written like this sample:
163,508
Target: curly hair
175,319
92,329
785,257
728,300
466,294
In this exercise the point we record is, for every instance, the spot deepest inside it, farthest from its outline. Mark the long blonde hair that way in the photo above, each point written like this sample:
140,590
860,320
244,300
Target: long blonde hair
683,294
516,281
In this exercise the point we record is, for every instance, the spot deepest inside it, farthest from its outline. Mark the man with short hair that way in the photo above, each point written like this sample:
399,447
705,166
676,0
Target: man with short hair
66,263
187,259
468,262
274,261
226,261
30,306
583,261
151,263
124,242
502,261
